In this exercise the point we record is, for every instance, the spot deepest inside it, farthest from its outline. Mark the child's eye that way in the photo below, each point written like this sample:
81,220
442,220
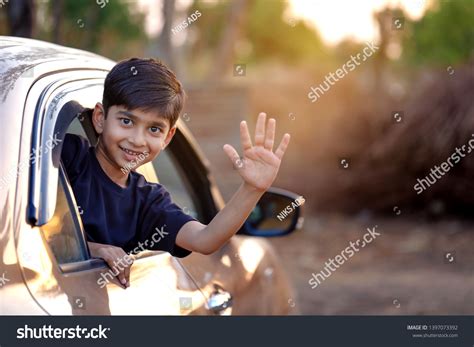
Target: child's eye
126,121
155,130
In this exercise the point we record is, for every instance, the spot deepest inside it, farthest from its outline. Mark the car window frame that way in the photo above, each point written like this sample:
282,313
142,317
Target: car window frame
42,196
48,104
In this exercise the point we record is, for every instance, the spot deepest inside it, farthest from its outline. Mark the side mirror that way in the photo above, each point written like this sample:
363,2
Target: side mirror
279,212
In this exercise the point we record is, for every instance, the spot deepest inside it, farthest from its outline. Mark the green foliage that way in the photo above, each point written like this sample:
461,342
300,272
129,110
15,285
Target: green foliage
88,26
444,35
273,37
265,32
211,24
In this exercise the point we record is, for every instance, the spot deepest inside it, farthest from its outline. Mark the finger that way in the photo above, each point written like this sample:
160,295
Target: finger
129,262
121,277
245,140
260,129
121,274
126,274
113,266
270,134
283,146
233,156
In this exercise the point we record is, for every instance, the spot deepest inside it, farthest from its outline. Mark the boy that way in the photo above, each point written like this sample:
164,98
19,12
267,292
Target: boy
141,103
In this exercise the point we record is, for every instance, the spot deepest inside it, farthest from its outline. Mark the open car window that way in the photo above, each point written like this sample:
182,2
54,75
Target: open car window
61,112
63,231
172,177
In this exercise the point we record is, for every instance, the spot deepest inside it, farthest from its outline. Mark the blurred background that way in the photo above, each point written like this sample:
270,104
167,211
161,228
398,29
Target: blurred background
356,152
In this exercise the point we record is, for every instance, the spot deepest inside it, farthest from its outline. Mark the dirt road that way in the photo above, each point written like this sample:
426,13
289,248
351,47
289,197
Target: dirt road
406,270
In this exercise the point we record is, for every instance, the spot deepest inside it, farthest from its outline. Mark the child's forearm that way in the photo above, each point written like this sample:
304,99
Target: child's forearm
229,220
258,170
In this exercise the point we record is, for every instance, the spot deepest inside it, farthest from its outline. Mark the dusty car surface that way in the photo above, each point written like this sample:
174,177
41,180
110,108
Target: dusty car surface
47,91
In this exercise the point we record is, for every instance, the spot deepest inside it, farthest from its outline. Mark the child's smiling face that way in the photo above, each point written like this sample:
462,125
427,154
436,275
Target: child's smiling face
129,137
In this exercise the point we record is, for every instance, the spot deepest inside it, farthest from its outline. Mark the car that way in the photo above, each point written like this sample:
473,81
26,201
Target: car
46,91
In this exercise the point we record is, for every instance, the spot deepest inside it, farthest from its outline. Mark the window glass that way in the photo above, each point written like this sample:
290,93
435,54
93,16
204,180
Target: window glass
62,233
172,177
76,128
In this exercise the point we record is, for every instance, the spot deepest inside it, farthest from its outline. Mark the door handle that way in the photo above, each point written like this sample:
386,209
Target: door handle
220,300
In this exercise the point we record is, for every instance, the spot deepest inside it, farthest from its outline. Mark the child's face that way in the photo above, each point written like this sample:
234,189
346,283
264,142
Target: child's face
129,136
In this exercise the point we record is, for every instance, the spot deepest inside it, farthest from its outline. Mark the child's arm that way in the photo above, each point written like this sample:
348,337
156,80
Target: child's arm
258,169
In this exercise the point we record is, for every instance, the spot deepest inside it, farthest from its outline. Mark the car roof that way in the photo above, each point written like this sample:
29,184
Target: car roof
21,57
29,52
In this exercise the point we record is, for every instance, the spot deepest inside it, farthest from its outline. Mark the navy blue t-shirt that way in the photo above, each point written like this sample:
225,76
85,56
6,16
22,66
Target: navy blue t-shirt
123,217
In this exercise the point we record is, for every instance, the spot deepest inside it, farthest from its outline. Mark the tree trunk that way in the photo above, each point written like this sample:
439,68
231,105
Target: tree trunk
21,17
57,16
165,47
225,54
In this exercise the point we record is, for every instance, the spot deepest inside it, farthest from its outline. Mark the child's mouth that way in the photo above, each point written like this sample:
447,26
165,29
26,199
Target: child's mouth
129,154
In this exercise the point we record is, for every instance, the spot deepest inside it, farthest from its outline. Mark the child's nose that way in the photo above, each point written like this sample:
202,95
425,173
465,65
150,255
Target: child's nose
137,140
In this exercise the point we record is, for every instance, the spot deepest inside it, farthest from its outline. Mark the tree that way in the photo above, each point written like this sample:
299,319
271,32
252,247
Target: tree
257,25
21,17
443,36
87,25
165,46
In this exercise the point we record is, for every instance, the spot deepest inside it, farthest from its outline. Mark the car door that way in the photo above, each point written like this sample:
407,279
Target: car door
51,246
234,277
225,274
190,189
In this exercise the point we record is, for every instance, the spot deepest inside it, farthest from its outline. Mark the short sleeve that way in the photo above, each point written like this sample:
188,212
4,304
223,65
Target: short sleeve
73,153
161,225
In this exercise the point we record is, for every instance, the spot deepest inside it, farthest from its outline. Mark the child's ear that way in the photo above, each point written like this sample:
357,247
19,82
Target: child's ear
169,136
98,118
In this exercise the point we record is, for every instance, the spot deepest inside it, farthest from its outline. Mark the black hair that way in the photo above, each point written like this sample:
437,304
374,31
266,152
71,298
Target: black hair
145,84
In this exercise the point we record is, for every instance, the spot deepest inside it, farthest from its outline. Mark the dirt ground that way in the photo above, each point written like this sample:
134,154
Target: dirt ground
404,271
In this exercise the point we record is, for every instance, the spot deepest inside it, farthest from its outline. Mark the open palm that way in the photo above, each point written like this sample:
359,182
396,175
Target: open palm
259,165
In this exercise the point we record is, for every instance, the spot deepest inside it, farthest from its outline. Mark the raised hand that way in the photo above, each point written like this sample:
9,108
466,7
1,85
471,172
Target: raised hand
259,165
